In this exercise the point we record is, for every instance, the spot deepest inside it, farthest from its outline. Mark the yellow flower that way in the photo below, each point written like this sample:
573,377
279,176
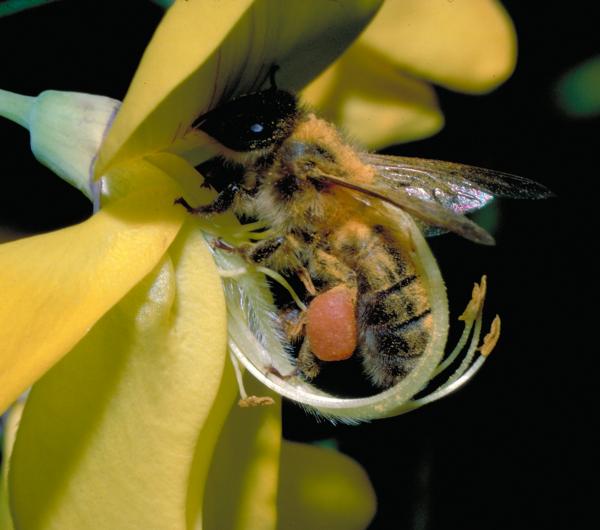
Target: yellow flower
135,428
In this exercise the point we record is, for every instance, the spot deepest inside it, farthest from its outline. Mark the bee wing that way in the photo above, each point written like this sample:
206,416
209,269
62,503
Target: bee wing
429,211
457,187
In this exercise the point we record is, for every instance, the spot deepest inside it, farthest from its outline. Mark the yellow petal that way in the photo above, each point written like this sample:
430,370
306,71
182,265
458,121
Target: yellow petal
121,432
373,101
322,489
242,484
467,45
204,51
57,285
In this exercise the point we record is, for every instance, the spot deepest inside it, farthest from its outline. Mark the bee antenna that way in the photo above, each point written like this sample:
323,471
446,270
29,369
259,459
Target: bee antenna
272,71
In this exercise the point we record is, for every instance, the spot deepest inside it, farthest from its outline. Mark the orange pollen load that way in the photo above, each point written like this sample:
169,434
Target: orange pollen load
331,324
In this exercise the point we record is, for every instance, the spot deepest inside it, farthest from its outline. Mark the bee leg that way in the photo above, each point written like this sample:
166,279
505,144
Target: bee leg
222,202
259,252
307,363
293,321
223,245
305,278
272,370
252,252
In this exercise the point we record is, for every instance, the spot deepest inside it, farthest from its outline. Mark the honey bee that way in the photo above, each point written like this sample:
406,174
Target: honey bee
331,209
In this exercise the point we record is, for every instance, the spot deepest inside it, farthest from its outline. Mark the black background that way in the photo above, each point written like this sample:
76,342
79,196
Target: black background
511,450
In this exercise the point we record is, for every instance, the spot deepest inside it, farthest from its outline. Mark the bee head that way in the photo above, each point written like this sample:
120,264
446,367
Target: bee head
254,121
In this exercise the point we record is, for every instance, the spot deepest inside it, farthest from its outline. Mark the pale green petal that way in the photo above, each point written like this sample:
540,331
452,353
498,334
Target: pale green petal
322,489
66,130
242,484
205,51
120,433
56,286
374,102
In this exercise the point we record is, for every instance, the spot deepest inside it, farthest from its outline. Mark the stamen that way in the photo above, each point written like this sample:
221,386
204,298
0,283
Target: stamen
468,359
457,349
469,315
239,377
448,389
475,305
284,283
491,339
473,317
245,400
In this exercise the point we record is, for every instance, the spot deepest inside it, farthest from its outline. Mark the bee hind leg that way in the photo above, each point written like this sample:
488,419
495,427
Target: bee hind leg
294,325
293,321
307,363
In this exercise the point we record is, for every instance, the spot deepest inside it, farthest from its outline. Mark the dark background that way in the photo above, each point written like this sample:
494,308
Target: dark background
512,449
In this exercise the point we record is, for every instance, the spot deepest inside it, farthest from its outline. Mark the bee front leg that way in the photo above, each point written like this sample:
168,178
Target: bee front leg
222,202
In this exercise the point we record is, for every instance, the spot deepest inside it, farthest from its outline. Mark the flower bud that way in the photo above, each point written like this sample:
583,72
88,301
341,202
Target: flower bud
66,130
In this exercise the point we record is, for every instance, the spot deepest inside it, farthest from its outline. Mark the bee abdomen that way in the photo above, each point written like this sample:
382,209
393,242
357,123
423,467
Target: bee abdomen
394,330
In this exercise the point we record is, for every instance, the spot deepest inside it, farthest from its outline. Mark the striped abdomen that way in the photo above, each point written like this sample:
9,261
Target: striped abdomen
393,313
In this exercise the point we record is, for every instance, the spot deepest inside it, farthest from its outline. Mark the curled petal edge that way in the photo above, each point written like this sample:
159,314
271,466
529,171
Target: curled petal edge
257,344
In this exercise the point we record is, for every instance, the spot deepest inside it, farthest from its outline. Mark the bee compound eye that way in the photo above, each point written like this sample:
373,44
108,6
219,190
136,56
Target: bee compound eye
240,132
254,121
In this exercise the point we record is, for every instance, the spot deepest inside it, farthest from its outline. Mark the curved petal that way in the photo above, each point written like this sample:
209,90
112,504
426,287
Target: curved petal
204,51
322,489
11,424
395,400
123,429
241,491
258,482
57,285
373,101
468,45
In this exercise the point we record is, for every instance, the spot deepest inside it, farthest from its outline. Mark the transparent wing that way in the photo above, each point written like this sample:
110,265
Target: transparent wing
428,211
438,194
458,187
